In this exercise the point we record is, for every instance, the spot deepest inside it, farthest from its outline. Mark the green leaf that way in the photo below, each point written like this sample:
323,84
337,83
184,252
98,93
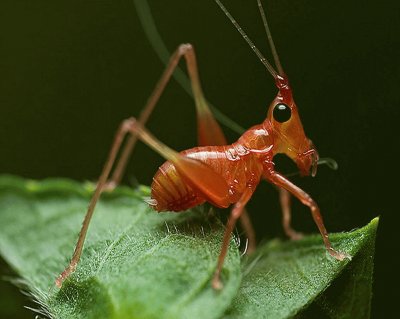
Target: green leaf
283,280
139,264
136,263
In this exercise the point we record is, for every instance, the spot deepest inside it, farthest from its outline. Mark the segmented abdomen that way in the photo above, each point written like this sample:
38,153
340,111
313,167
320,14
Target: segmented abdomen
169,191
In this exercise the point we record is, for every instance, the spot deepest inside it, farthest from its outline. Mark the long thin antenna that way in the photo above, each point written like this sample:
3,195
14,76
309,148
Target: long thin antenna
249,42
270,40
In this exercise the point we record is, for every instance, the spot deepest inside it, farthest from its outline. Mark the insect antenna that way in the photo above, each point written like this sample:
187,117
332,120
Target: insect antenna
249,41
270,40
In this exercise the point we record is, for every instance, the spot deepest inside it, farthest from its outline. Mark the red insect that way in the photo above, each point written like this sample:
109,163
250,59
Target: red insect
222,174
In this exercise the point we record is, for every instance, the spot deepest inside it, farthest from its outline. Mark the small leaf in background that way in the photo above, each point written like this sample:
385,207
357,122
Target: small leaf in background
136,263
140,264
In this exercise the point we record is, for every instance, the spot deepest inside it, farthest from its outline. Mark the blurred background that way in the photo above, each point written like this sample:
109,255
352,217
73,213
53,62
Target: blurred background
70,71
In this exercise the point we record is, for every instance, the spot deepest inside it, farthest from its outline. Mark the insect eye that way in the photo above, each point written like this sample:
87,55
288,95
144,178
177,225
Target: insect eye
282,113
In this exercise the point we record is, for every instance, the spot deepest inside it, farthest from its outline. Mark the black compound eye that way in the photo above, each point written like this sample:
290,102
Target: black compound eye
282,113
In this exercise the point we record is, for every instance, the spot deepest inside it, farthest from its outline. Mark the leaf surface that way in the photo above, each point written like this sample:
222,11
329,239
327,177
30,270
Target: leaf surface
135,264
139,264
288,279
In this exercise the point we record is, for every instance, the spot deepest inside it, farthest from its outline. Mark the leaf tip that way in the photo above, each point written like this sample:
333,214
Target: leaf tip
375,222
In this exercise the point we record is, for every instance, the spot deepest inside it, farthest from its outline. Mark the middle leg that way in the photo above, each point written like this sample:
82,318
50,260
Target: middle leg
236,212
284,199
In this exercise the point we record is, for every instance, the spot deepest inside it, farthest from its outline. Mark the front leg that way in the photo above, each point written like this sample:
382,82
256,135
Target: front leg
280,181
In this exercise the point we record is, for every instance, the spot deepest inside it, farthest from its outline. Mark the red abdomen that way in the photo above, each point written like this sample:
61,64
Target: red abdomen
169,191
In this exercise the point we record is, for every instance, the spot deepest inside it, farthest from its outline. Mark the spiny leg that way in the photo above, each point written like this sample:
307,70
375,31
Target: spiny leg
306,199
284,199
236,212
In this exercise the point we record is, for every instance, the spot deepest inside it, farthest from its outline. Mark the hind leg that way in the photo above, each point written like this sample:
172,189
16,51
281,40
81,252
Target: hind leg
209,132
199,175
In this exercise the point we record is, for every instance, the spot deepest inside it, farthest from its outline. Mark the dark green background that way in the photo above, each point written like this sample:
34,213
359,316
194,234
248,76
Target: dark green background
70,71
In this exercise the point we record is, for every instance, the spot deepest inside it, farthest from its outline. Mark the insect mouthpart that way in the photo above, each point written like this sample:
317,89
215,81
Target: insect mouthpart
314,162
308,161
314,159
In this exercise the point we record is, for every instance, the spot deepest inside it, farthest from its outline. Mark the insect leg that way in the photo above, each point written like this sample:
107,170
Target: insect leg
208,182
236,212
284,198
122,131
249,231
208,128
209,132
306,199
197,174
